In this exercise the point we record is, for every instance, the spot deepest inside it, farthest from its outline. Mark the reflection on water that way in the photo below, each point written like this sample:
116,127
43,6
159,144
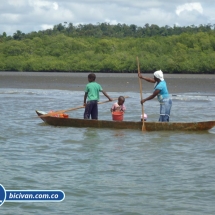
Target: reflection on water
107,171
119,133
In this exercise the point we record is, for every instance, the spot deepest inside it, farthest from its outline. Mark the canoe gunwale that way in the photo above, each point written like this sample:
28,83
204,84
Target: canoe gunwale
150,126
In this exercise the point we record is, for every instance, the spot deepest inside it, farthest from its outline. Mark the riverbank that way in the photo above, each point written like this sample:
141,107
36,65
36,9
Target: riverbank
111,82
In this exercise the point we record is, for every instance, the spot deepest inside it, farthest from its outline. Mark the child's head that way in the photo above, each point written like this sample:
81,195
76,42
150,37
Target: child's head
91,77
121,100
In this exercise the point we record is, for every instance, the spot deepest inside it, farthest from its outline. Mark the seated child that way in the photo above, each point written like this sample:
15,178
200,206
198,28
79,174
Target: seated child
119,106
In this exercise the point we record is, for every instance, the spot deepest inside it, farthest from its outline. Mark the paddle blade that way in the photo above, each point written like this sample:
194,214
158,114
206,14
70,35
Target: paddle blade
143,127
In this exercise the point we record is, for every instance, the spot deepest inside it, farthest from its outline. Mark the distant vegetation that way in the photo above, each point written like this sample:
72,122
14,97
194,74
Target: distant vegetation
110,48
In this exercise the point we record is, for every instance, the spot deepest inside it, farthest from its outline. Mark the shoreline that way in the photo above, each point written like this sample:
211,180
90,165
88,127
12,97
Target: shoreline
110,82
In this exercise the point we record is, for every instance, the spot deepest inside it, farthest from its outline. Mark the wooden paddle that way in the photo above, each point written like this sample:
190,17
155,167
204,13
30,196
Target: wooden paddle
141,96
71,109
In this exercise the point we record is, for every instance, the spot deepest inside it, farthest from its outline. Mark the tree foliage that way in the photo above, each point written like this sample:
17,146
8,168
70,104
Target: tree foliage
110,48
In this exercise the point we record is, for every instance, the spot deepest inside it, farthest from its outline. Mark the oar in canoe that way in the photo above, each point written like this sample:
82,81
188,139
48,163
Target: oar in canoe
76,108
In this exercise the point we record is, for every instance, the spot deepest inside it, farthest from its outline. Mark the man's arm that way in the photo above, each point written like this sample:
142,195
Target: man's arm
155,93
85,98
147,79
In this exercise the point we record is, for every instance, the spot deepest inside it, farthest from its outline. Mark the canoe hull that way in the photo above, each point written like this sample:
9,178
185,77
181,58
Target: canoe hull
150,126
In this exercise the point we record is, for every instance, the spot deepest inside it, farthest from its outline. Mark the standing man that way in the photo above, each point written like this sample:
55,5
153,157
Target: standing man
161,91
92,90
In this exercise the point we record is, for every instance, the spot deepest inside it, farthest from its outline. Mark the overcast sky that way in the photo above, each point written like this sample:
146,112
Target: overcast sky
35,15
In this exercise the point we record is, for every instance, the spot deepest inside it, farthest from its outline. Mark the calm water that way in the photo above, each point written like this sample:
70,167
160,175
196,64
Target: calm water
105,171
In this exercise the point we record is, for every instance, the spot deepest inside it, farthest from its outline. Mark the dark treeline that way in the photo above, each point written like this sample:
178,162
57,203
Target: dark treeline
110,48
107,30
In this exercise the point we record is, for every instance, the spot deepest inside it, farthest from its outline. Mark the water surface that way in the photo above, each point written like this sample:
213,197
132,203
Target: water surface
107,171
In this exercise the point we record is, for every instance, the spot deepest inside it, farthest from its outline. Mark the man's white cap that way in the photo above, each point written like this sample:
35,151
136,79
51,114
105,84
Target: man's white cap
159,74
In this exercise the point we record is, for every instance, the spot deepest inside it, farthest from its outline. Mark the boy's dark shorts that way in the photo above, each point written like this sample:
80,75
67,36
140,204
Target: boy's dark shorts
91,109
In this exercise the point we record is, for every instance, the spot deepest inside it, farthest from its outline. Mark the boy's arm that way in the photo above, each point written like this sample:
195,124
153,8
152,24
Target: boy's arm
85,98
110,99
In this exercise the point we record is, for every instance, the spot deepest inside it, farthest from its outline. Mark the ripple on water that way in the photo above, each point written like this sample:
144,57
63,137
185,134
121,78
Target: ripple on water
106,171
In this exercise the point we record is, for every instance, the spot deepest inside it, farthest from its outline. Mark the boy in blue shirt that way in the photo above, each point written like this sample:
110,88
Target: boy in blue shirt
92,90
161,91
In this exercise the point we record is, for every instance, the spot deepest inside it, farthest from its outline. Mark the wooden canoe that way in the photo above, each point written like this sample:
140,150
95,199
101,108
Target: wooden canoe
150,126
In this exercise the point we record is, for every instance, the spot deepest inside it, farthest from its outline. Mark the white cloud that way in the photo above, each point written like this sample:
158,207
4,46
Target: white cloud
14,18
35,15
45,27
112,22
17,3
189,7
44,5
55,6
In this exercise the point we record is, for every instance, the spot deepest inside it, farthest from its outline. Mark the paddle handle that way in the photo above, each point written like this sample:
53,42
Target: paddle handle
63,111
76,108
141,96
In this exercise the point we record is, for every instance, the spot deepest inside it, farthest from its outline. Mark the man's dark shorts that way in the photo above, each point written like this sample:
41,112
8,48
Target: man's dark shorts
91,109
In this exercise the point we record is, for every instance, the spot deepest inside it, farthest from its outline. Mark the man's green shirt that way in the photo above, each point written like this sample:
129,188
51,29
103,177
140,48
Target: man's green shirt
92,89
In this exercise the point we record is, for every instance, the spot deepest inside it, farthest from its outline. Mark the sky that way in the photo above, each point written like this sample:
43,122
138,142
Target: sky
34,15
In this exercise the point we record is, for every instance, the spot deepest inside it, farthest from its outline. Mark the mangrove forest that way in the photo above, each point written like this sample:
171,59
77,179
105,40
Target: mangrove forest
110,48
